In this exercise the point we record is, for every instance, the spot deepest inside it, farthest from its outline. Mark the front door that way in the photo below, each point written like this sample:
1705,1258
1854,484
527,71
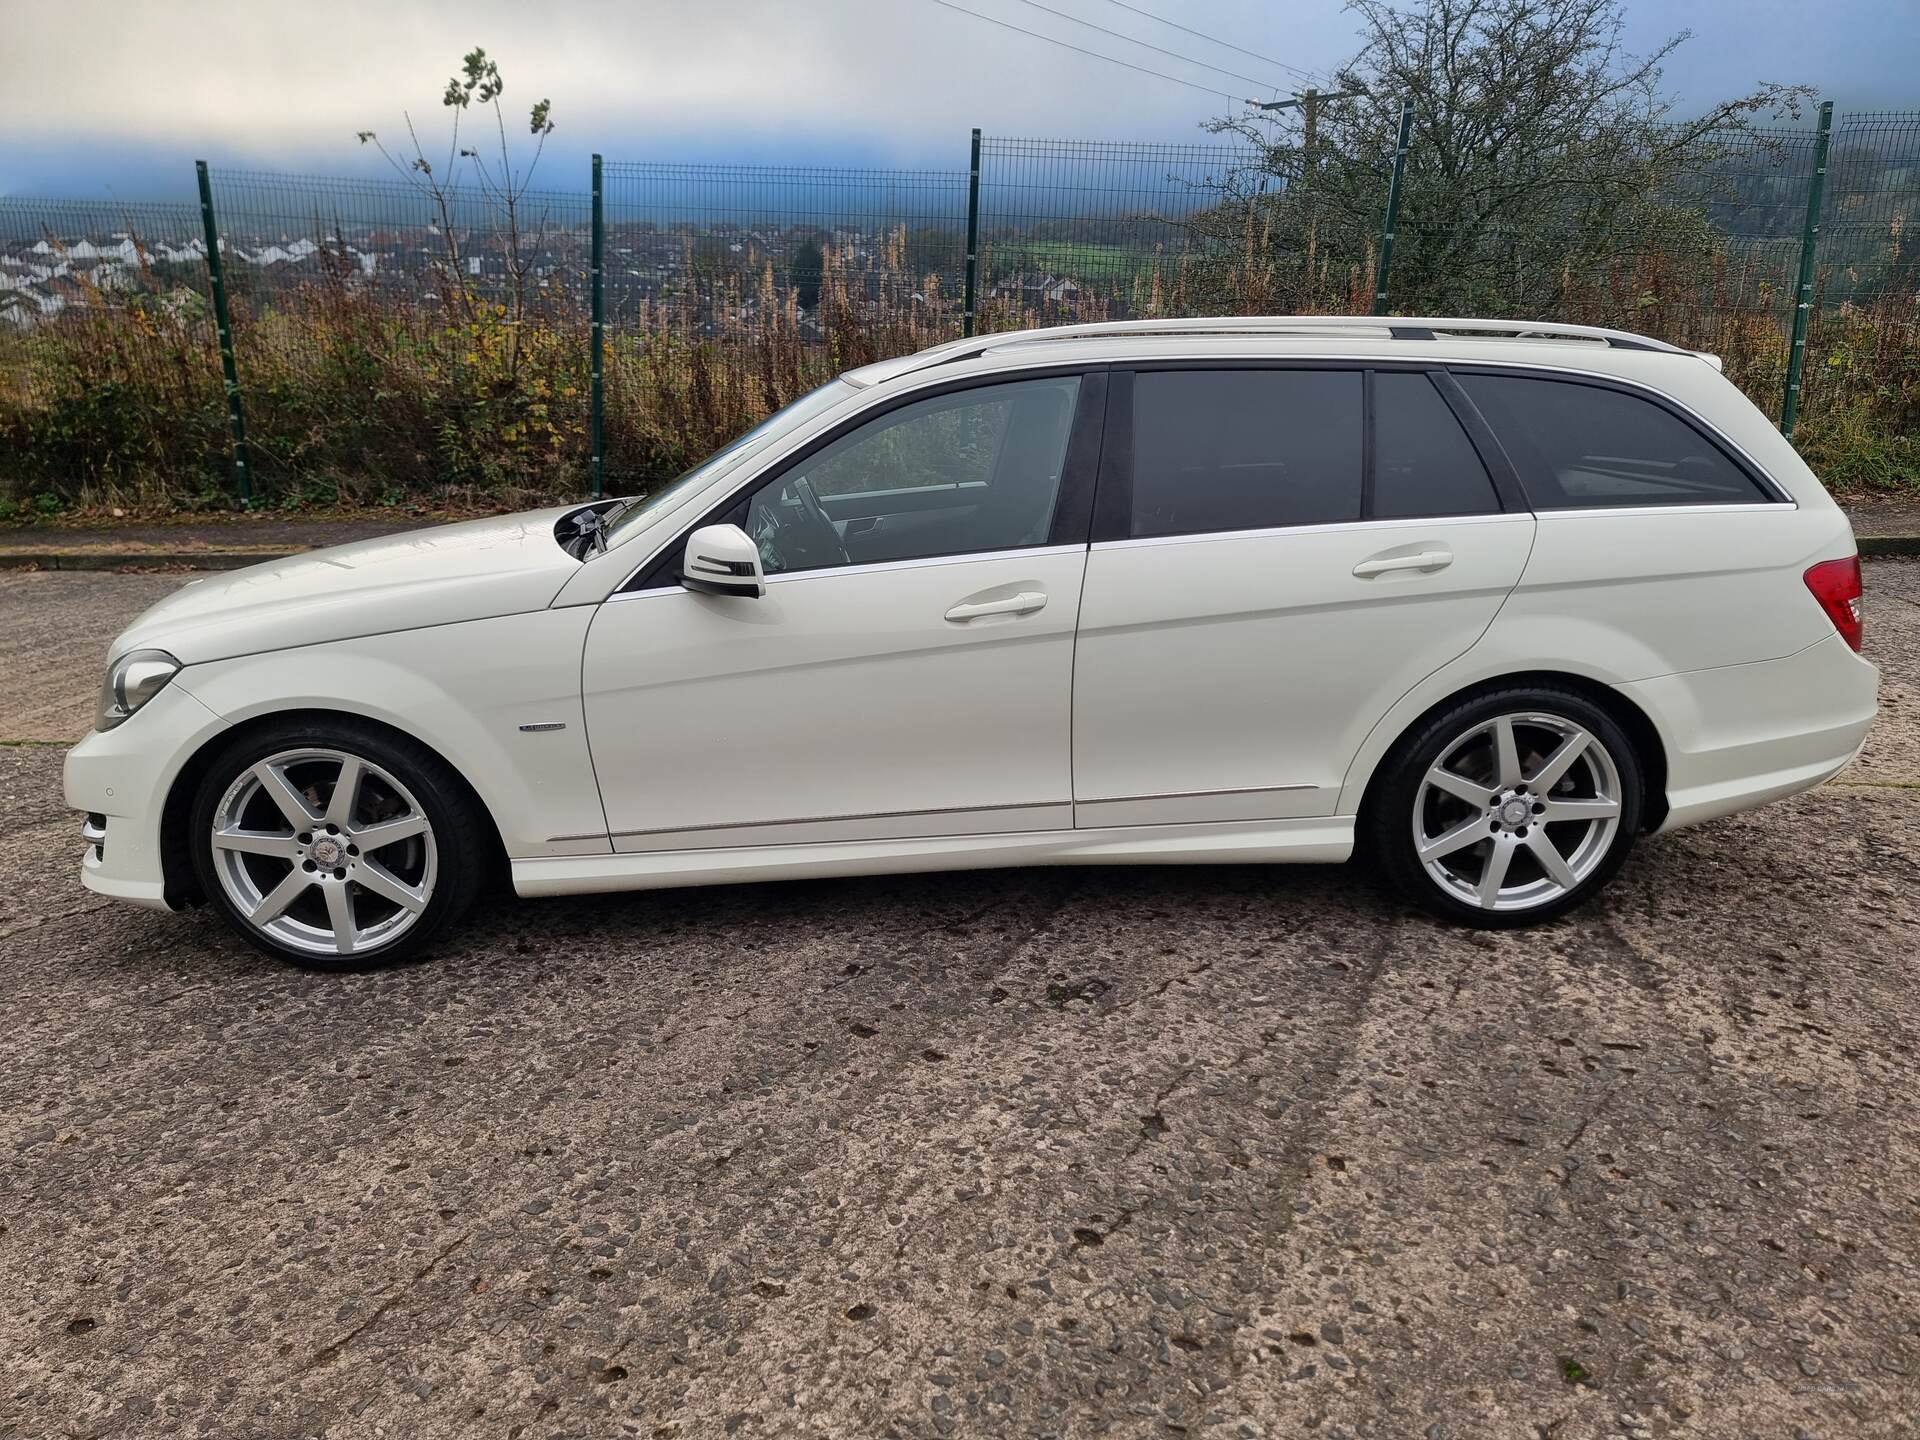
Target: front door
909,670
1273,590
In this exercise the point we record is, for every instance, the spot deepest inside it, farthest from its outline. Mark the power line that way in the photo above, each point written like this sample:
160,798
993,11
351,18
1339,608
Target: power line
1081,50
1311,76
1148,45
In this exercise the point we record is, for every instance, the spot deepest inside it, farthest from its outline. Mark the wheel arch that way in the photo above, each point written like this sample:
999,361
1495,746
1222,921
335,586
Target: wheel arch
1649,748
176,855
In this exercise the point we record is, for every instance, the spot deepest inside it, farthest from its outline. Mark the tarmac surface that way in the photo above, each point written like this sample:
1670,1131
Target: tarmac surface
1133,1152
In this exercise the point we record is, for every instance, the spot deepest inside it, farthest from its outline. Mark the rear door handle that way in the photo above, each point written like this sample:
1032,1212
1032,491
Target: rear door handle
1436,559
1025,603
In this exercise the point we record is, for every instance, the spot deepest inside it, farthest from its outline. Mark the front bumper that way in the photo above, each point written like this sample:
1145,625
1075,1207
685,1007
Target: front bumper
121,778
1738,736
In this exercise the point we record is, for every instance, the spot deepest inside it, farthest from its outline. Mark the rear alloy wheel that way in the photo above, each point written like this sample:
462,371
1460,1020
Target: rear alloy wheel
1511,808
333,852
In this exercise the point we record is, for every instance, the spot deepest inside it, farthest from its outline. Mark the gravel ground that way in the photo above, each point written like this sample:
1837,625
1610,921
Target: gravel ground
1145,1152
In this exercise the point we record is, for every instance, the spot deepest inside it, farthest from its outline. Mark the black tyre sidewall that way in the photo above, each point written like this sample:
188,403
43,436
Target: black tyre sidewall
1389,819
449,808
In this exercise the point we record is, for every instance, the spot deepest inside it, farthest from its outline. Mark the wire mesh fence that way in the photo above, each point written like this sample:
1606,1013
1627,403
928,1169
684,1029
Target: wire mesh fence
1095,230
732,289
1863,368
394,336
411,331
1707,261
1871,199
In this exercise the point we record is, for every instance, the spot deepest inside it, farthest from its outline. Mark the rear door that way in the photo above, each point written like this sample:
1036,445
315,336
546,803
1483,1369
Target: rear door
1280,554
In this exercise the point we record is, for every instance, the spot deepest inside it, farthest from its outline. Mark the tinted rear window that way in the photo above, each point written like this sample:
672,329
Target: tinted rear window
1244,449
1578,445
1423,463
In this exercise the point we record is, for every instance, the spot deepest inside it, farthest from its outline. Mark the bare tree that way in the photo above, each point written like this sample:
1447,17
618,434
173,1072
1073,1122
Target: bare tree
504,186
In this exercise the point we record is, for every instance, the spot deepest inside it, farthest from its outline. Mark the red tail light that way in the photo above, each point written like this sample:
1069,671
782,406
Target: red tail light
1836,585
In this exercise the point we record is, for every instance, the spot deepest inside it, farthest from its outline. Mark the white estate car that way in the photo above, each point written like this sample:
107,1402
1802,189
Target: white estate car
1491,598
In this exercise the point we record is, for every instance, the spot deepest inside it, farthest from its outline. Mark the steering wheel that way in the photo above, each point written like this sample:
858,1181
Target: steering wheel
818,521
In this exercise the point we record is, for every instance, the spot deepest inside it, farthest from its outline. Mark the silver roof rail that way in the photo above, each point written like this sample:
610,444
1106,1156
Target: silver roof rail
1394,327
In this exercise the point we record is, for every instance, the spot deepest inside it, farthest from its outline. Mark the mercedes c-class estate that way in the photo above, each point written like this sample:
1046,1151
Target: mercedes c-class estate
1486,600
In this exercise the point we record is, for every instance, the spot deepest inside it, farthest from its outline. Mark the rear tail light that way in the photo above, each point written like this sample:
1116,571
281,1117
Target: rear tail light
1836,585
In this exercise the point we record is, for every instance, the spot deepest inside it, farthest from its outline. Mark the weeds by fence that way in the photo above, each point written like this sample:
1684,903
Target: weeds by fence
391,342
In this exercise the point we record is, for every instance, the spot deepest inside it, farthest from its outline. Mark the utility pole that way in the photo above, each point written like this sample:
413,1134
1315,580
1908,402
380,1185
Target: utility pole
1308,103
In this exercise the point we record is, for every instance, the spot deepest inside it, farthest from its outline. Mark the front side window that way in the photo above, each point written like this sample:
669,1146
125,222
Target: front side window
974,470
1245,449
1577,446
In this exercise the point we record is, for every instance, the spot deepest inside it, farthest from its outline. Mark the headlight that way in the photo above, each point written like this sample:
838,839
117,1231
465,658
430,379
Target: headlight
132,680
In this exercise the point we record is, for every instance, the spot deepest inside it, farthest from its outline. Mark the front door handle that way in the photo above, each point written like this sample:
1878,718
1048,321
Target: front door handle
1025,603
1429,560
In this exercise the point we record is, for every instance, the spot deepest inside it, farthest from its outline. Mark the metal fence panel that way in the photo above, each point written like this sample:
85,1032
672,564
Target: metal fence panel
289,236
386,330
731,289
1078,230
1864,343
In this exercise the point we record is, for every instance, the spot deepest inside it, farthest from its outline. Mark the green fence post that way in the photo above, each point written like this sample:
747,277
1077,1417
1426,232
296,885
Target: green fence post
223,324
973,234
597,426
1803,295
1393,207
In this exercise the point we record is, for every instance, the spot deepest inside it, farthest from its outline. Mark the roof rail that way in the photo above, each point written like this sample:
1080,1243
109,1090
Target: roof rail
1394,327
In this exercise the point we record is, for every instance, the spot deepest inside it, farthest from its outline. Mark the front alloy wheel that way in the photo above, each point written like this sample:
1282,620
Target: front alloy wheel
1509,808
336,849
324,852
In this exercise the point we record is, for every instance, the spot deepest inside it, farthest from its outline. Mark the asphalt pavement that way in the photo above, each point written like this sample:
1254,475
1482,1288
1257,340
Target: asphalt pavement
1154,1151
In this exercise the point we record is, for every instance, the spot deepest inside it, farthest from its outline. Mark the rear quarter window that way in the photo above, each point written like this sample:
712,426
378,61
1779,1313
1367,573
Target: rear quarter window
1579,446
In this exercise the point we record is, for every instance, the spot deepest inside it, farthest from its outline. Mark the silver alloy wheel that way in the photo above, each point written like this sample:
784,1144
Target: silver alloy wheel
1517,811
324,851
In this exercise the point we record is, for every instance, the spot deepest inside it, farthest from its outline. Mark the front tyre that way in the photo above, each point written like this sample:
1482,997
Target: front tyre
1509,808
338,846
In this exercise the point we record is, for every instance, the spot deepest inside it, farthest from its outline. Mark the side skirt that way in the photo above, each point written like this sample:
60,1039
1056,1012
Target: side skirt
1326,840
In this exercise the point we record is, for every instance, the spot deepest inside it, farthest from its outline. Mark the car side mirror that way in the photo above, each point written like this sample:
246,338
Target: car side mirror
723,560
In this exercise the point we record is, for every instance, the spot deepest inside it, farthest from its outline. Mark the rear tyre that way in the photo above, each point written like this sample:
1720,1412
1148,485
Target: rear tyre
1509,808
337,846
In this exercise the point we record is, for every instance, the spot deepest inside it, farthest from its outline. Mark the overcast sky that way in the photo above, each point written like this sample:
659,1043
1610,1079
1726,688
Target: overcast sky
117,102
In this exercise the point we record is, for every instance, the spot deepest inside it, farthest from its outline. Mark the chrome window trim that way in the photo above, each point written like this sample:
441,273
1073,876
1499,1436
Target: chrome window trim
1589,512
1505,517
876,567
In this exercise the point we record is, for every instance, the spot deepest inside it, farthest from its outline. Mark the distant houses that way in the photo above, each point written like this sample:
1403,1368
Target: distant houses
709,276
